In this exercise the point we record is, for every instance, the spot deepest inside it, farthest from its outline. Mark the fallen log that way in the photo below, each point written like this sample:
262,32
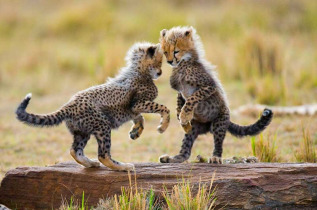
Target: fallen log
255,109
258,185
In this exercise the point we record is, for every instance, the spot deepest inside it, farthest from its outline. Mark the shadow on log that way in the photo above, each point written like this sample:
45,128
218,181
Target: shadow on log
259,185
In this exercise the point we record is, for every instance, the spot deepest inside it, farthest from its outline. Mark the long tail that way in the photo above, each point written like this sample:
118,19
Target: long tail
38,120
254,129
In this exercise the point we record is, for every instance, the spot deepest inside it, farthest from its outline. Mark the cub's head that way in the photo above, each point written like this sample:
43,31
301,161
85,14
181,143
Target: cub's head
180,43
146,58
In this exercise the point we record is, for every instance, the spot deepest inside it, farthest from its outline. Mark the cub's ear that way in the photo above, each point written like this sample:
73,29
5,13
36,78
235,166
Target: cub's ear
188,32
151,51
163,32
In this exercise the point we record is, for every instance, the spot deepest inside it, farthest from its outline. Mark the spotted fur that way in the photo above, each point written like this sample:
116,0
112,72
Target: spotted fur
201,102
99,109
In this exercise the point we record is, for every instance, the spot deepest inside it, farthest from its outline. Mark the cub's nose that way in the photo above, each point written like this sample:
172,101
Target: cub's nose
170,62
159,73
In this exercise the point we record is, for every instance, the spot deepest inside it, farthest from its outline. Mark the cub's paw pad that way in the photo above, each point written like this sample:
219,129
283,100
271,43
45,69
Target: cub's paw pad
187,127
164,159
135,133
215,160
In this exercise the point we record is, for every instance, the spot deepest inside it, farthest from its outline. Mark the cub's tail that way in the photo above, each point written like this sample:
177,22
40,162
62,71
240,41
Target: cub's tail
254,129
54,118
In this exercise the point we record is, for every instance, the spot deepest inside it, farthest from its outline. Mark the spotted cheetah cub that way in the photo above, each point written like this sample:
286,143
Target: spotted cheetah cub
201,102
99,109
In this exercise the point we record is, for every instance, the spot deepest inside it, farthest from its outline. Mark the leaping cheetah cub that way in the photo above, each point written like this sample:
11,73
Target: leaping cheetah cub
97,110
201,103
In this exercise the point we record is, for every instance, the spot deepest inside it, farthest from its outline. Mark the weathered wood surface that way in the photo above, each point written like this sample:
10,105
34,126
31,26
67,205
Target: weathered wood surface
259,185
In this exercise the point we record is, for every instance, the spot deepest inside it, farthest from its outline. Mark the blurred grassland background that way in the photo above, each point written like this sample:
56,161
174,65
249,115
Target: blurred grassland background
265,52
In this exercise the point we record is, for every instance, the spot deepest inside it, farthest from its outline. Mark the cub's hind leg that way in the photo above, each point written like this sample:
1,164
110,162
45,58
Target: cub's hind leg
103,136
77,150
188,141
219,129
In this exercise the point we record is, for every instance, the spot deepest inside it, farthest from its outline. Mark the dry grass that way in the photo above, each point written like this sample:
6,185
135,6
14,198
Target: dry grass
261,61
265,148
56,49
130,198
307,150
182,196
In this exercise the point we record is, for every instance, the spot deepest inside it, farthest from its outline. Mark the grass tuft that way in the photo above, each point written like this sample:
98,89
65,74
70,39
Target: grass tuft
74,204
264,149
261,55
307,150
182,196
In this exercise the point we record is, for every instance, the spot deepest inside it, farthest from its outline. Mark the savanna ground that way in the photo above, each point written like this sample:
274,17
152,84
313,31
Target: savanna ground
265,52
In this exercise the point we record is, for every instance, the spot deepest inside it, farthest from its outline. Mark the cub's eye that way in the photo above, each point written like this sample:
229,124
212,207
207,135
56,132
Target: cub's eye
176,51
165,53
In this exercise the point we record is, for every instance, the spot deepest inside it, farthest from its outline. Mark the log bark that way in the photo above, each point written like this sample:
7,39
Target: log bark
258,185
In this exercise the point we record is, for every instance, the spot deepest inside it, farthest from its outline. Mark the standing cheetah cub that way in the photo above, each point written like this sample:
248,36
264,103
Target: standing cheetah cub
99,109
201,103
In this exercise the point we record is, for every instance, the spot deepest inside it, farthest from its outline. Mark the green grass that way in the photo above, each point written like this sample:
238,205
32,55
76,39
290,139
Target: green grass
74,204
181,196
265,149
307,150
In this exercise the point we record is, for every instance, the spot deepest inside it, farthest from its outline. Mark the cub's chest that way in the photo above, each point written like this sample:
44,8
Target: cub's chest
179,83
176,79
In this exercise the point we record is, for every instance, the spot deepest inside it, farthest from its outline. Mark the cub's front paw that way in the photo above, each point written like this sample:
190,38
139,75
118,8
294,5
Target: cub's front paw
161,128
135,132
185,117
164,124
187,128
215,160
128,167
94,164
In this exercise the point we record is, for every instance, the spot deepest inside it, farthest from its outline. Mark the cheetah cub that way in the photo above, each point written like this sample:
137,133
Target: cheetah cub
201,102
99,109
